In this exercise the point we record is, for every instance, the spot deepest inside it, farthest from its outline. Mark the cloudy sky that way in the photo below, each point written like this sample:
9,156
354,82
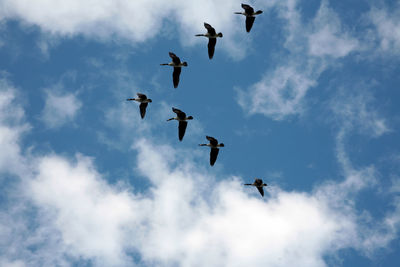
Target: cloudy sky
308,101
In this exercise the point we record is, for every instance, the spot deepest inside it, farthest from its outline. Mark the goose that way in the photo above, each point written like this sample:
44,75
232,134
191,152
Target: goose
259,184
181,117
214,148
250,15
177,64
212,38
143,100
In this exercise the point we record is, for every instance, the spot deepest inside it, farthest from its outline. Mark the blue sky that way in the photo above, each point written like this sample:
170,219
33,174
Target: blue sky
307,101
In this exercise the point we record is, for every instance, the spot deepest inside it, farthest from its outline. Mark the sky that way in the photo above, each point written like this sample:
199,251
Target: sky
307,101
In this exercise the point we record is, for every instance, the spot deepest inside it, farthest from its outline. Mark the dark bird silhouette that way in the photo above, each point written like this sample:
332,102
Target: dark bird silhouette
214,148
181,117
177,64
259,184
212,38
250,15
143,100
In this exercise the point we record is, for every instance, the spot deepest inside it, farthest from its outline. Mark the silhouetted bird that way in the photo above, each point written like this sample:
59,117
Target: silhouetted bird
259,184
177,64
250,15
214,148
181,117
143,100
212,39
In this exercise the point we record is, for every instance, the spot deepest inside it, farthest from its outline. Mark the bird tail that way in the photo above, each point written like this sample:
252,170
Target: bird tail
220,34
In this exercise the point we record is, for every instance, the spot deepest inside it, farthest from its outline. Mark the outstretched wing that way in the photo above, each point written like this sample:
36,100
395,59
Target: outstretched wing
143,107
181,115
175,59
261,190
142,96
209,28
182,129
211,47
212,140
213,155
248,9
175,76
249,23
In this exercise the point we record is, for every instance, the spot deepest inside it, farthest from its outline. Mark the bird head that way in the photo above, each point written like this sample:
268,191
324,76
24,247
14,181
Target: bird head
220,34
221,145
150,100
190,118
184,64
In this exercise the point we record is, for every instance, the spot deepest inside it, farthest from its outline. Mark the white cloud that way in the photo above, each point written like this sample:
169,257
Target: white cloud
387,24
60,108
12,126
312,49
187,214
327,37
136,21
279,94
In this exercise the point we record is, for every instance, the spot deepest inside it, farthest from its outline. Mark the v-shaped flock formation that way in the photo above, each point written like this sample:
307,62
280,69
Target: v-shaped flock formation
177,64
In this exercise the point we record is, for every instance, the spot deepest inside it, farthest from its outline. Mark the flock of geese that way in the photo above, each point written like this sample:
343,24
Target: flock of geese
181,116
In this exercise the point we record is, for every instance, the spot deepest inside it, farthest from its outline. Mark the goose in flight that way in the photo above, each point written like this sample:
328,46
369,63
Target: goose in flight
214,148
143,100
250,15
177,64
181,117
212,38
259,184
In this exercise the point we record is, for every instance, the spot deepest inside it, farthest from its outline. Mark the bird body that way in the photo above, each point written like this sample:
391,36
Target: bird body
212,36
259,184
250,15
143,100
182,118
214,145
177,64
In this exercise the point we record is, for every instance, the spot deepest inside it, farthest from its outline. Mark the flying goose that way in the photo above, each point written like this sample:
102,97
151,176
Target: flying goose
212,38
181,117
259,184
214,148
177,64
143,100
250,15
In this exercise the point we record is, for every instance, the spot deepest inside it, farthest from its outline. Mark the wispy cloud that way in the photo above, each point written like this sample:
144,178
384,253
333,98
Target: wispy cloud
60,108
312,49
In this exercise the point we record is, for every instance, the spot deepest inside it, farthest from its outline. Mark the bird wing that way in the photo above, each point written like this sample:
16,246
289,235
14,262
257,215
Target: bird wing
213,155
179,113
175,59
182,129
249,23
175,76
209,28
211,47
261,190
212,140
141,96
143,107
248,9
